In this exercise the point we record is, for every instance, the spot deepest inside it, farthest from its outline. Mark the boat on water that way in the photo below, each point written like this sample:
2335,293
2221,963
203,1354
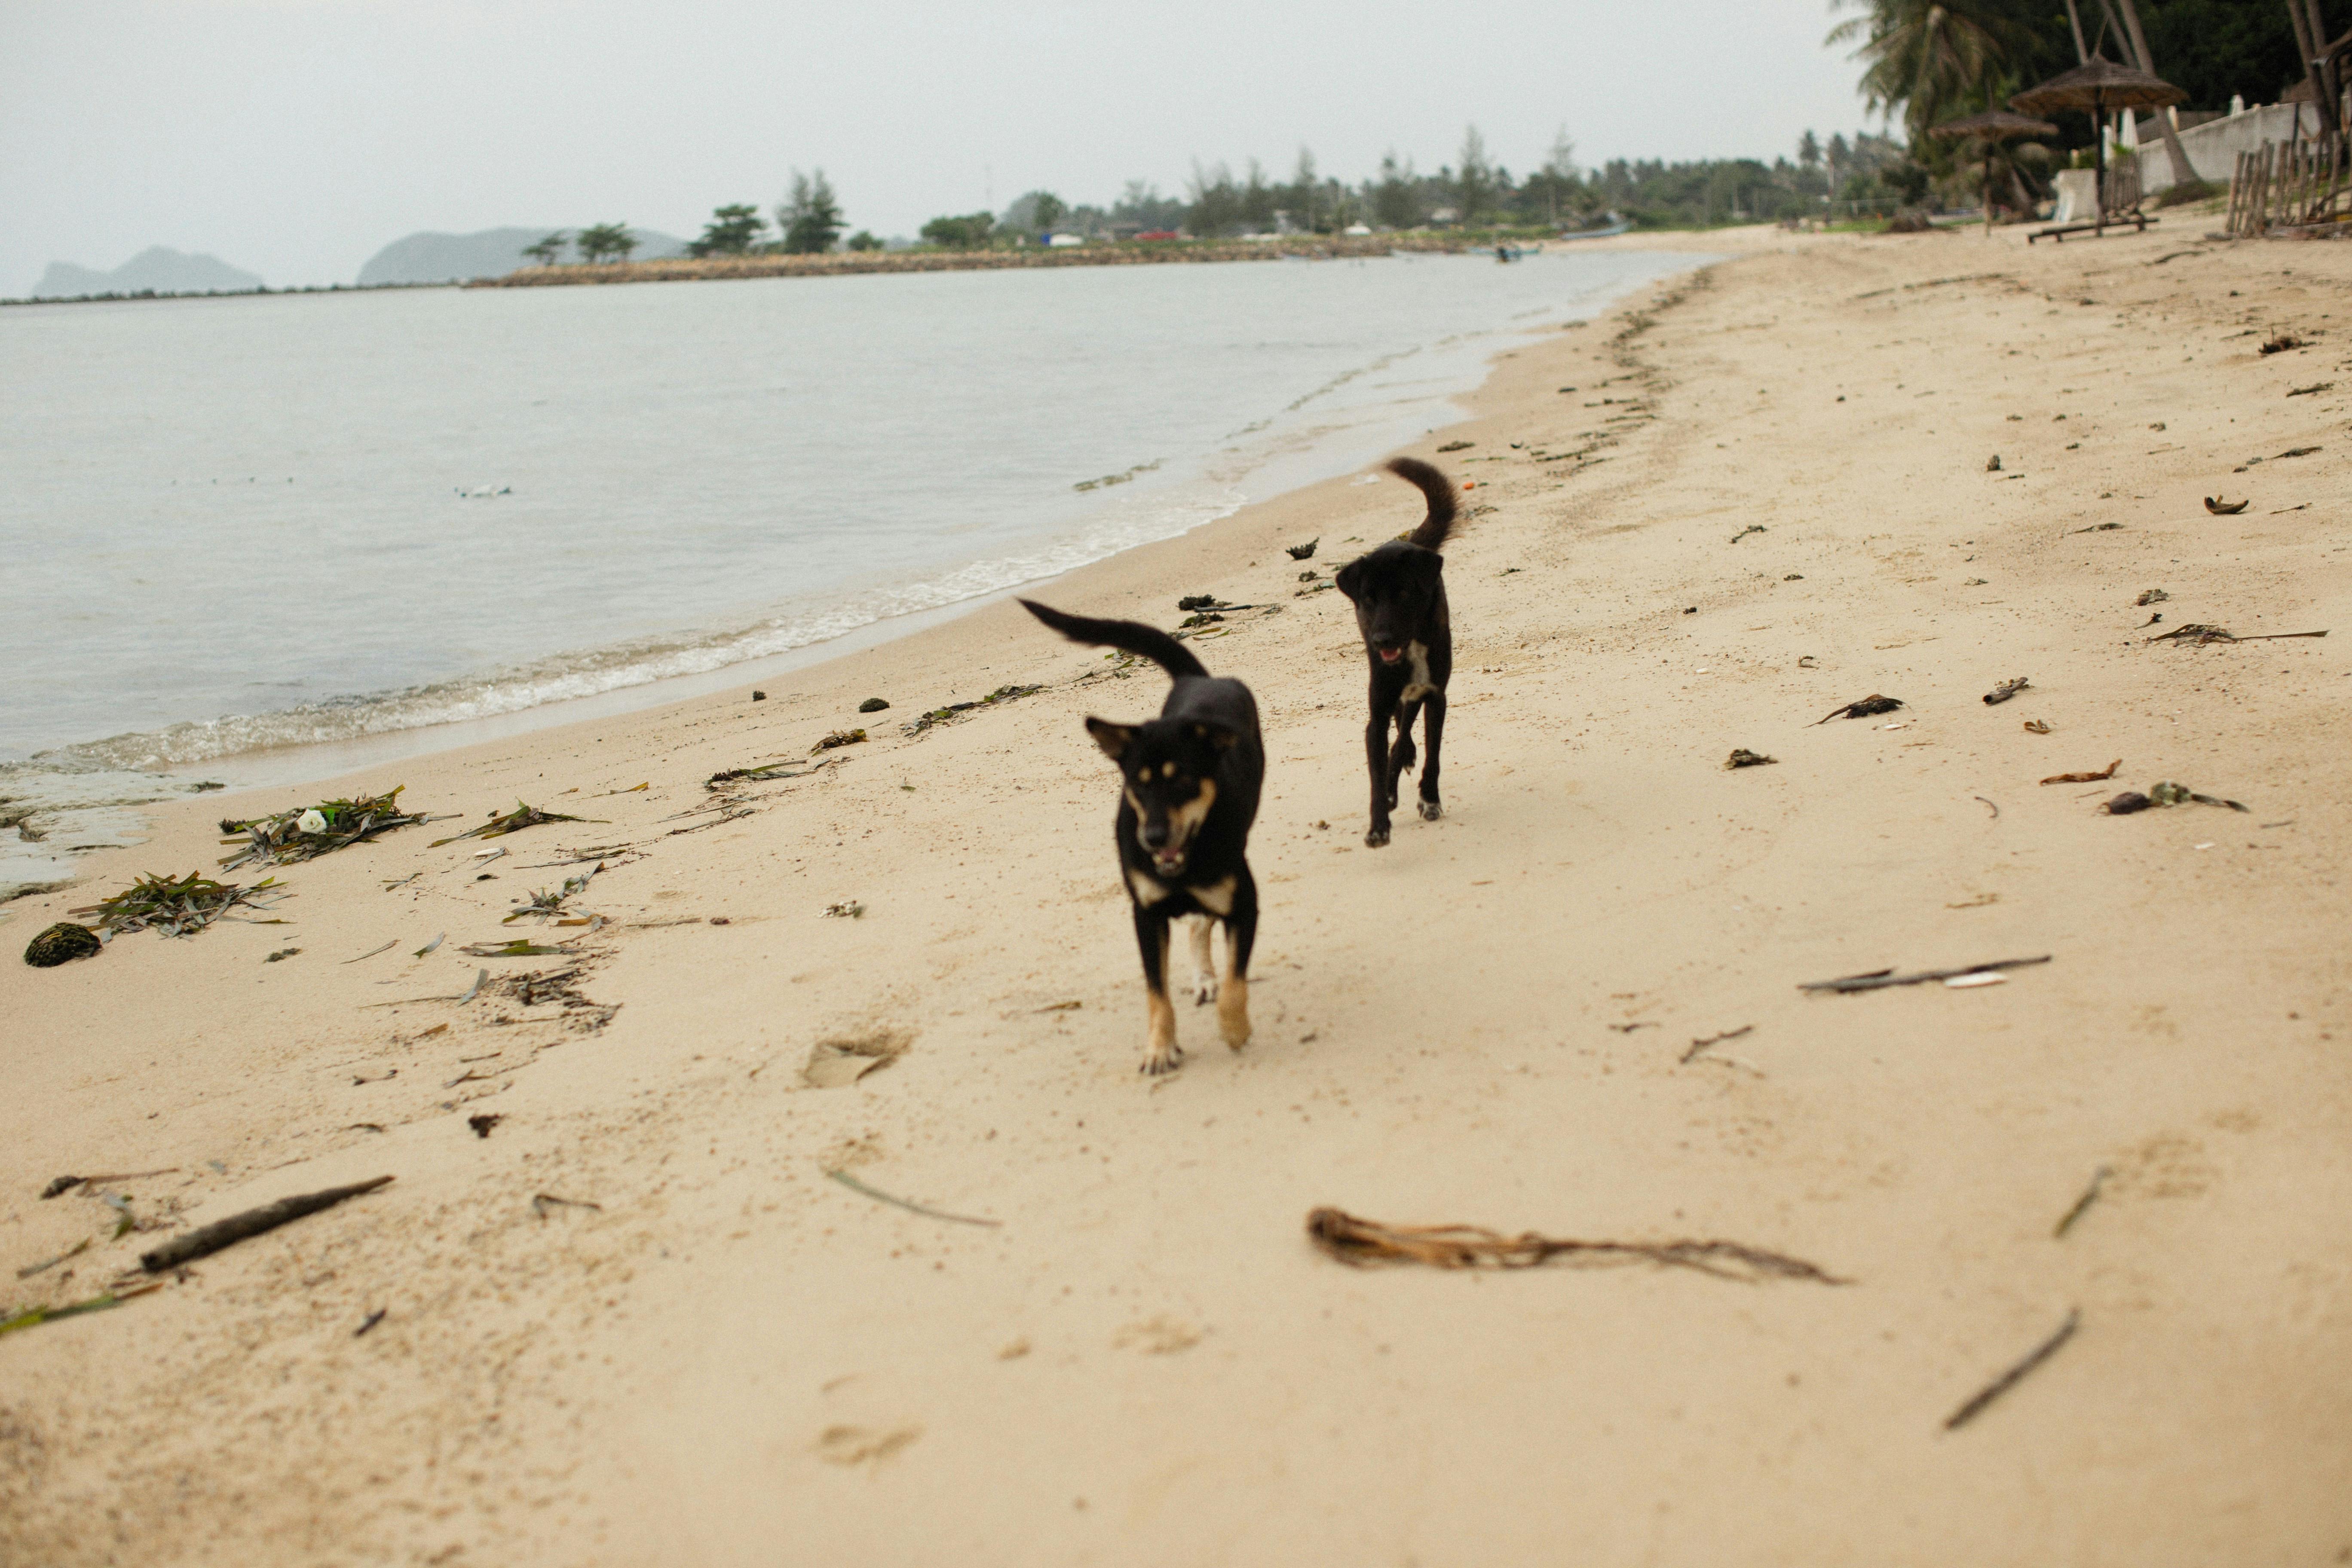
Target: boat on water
1616,223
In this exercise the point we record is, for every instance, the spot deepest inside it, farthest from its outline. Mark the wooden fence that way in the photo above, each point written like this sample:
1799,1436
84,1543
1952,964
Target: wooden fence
2289,185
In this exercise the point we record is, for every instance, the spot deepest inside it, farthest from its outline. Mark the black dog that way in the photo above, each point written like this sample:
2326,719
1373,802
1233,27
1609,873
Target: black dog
1193,776
1399,591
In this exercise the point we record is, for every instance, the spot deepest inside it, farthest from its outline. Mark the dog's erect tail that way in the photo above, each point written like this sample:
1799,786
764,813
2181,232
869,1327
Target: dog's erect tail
1431,534
1131,637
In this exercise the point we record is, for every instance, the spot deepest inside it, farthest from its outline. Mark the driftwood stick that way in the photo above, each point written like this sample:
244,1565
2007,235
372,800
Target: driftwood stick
1880,979
2010,1379
1363,1242
855,1186
238,1227
2089,1195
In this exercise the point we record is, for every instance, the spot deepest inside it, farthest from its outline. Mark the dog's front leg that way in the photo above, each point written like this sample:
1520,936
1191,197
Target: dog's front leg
1160,1053
1241,935
1375,756
1401,755
1205,980
1434,732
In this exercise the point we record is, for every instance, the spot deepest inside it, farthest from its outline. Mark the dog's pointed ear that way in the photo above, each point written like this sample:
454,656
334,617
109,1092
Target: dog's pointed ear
1350,578
1114,739
1217,735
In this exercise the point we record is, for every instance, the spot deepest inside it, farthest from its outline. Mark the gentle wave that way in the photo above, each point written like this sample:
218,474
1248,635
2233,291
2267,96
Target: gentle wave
590,672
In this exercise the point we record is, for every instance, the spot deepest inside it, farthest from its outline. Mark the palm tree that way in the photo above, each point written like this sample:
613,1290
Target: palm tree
1926,58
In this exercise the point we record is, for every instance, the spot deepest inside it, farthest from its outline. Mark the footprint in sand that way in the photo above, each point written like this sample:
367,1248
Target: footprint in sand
863,1445
1157,1336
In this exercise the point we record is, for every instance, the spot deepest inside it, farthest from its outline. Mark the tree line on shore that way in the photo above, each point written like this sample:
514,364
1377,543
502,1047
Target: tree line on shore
1925,62
1473,192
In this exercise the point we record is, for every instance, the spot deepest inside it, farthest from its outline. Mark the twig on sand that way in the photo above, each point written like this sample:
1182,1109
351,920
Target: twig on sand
2107,773
855,1186
371,952
239,1228
76,1251
2089,1195
63,1184
1697,1046
541,1203
2010,1379
1879,979
1360,1242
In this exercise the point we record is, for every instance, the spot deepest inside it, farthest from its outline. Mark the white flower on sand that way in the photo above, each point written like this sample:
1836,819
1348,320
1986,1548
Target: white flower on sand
312,821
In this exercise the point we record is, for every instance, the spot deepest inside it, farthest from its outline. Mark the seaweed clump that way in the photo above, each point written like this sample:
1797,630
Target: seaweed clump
307,832
62,943
177,906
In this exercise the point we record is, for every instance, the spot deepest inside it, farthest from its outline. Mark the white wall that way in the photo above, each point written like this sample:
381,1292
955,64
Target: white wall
2213,147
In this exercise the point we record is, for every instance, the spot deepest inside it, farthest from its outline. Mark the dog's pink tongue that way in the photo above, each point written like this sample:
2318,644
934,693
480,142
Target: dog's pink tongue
1390,655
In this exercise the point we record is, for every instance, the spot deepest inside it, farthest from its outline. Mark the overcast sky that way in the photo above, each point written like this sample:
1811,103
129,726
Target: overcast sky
295,138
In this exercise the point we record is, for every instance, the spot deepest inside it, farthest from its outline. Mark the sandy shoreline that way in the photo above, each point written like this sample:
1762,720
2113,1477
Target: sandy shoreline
732,1357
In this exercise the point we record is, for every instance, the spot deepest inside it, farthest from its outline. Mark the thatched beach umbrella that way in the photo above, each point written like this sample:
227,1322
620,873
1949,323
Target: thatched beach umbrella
1992,127
2098,85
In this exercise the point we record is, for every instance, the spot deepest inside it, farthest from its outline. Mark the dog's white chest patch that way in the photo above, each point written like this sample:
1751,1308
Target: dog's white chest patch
1419,685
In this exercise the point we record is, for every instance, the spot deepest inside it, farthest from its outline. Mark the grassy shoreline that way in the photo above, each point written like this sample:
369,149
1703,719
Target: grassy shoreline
679,269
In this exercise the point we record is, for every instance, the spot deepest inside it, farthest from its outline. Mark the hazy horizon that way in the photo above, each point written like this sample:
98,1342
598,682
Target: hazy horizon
295,138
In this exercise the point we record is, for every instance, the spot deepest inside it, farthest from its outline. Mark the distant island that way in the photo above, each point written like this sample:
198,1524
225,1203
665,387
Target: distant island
159,270
430,257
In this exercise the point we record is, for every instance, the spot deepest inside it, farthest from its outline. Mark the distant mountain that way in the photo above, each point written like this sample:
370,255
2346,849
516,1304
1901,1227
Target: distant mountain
493,253
158,267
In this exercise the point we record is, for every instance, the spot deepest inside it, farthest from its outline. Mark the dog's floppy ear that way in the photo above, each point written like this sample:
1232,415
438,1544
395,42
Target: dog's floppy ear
1430,565
1349,577
1114,739
1217,735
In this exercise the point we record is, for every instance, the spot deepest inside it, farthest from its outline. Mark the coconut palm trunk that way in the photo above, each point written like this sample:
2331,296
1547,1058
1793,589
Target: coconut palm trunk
2183,172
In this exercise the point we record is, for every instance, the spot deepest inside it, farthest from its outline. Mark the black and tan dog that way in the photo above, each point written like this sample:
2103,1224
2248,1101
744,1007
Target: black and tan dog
1399,591
1193,778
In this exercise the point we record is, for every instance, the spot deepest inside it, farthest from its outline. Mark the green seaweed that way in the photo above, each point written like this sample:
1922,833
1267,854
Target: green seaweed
514,821
279,839
175,906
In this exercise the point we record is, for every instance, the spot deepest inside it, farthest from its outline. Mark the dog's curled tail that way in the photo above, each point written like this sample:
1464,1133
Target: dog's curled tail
1439,489
1130,637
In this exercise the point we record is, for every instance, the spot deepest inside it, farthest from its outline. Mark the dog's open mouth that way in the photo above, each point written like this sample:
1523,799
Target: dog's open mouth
1169,861
1390,654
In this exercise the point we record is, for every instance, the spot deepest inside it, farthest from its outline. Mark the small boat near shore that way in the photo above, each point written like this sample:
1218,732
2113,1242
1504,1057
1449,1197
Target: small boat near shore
1617,224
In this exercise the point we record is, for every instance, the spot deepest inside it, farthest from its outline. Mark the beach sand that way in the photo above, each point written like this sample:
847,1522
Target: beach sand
713,1353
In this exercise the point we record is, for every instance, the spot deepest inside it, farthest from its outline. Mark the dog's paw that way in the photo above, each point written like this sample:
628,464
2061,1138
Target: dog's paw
1158,1063
1377,837
1432,810
1204,990
1233,1014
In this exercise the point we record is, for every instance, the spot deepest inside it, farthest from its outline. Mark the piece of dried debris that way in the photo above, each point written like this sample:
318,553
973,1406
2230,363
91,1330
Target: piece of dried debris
2103,774
2005,691
1869,706
1741,757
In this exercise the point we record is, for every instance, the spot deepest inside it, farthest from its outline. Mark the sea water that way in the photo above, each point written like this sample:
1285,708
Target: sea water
231,526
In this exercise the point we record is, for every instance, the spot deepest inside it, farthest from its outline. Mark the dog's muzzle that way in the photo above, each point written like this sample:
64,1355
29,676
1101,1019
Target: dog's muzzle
1168,862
